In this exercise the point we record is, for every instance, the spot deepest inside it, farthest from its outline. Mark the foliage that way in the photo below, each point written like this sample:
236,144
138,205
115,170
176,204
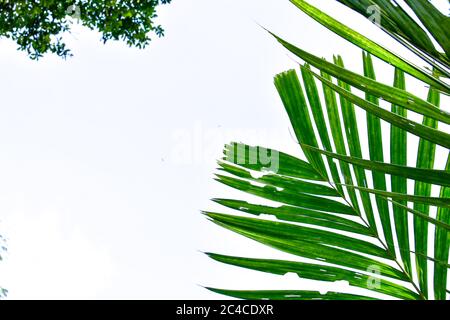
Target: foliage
38,25
345,226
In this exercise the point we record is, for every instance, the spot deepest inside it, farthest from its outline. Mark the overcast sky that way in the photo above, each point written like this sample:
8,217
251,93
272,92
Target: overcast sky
106,159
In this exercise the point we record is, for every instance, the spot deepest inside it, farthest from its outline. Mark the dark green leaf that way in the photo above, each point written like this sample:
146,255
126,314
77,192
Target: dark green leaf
354,144
388,93
430,134
289,295
438,177
398,155
291,93
287,183
425,159
338,137
437,23
247,156
286,196
290,232
442,247
432,201
368,45
301,215
319,119
321,273
376,154
316,251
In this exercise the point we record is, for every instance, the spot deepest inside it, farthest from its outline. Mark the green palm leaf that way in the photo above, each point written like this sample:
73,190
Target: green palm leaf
319,118
319,272
376,154
285,231
369,46
442,247
425,132
422,200
398,156
354,144
393,95
316,248
397,23
438,177
422,216
296,214
318,216
425,159
289,295
338,138
436,23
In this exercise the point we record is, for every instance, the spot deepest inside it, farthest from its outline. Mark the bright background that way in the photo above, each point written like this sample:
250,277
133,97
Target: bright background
106,159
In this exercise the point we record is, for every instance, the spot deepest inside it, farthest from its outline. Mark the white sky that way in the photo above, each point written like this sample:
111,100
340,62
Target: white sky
94,201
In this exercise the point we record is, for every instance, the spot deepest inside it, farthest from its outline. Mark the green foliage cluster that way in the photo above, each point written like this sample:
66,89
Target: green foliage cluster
38,25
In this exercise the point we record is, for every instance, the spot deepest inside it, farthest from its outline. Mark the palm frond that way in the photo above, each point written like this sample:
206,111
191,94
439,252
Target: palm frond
370,46
425,159
318,272
441,247
341,224
396,22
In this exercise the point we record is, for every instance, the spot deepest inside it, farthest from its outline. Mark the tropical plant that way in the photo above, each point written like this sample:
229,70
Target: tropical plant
38,26
336,210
